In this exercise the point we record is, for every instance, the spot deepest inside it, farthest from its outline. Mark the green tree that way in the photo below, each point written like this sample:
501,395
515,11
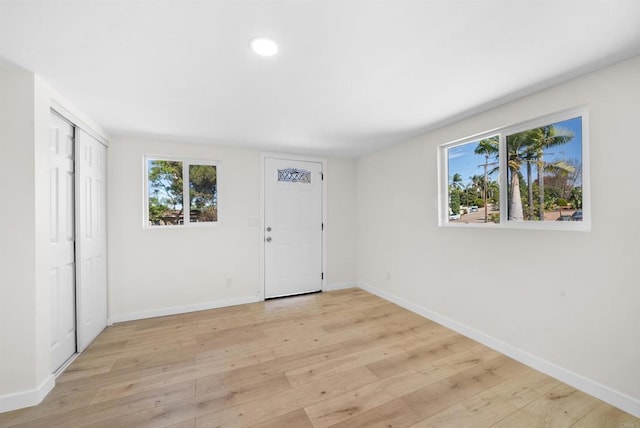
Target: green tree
542,139
456,181
493,191
529,157
477,182
454,205
576,197
490,149
528,147
203,192
455,190
165,190
563,176
157,210
517,152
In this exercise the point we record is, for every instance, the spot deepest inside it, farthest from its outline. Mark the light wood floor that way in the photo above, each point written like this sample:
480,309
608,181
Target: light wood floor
342,359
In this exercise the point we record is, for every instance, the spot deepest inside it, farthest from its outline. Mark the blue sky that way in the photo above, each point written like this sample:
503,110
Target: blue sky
462,159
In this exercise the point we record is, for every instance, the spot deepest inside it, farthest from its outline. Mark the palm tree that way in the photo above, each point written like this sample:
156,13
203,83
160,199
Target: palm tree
563,175
517,153
456,181
542,139
493,190
529,147
470,193
476,182
560,172
529,156
489,148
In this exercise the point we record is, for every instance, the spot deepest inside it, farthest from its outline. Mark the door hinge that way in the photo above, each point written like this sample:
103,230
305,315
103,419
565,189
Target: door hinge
322,228
322,275
322,176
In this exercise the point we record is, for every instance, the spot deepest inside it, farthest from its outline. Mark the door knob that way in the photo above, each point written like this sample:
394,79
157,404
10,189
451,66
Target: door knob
268,239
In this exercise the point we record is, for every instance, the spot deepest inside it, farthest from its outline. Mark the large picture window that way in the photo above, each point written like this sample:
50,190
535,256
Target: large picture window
180,192
531,175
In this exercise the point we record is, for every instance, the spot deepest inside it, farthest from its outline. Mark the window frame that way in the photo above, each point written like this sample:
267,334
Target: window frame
502,133
186,202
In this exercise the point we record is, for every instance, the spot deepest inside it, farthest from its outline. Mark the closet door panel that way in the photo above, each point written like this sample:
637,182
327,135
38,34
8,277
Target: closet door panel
62,272
92,238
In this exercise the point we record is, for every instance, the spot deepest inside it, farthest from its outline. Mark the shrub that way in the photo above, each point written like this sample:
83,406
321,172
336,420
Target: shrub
454,205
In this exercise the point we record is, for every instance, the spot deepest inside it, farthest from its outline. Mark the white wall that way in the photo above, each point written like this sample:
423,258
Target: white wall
25,357
154,271
342,227
568,302
25,302
18,360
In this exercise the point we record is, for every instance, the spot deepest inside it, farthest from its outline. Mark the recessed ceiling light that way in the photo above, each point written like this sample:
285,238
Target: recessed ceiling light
264,47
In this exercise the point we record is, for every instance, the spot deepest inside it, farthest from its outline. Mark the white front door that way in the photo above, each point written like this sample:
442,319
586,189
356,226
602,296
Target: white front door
62,242
293,227
91,253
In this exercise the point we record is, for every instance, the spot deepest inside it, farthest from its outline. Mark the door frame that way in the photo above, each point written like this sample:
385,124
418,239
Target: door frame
284,156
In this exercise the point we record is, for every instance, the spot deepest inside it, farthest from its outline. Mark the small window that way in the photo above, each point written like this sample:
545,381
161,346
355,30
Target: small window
531,175
294,175
171,182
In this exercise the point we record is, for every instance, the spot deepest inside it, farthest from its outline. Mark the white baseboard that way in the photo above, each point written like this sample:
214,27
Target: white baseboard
340,286
173,310
615,398
29,398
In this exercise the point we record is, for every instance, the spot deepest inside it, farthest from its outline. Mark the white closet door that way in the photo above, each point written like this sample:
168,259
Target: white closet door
61,242
91,255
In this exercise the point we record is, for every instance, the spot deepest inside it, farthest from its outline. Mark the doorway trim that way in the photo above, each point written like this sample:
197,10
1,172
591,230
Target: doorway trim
284,156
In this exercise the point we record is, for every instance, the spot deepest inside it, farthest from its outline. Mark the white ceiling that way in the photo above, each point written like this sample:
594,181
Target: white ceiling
351,76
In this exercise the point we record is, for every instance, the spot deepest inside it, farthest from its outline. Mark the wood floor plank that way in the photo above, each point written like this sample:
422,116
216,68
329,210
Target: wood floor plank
312,342
394,413
422,358
174,412
344,358
273,340
450,363
481,410
563,406
276,367
525,387
374,353
341,407
97,414
237,360
390,332
276,405
139,363
186,424
606,416
297,418
450,391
